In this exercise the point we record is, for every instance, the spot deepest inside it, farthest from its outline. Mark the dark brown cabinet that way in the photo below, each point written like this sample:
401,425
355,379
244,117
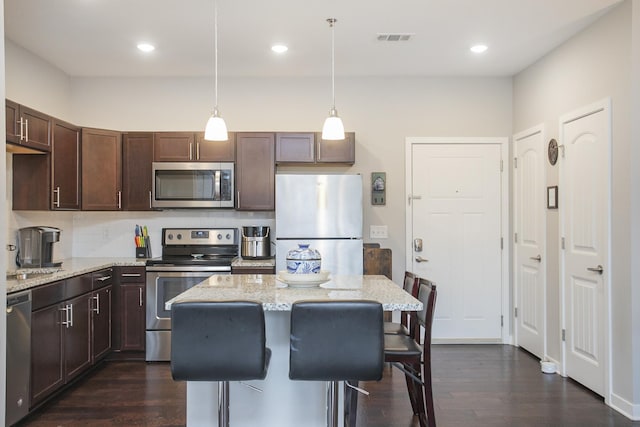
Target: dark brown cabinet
101,314
46,366
65,161
310,148
31,181
255,171
77,334
295,147
137,159
131,308
192,147
101,170
26,128
339,151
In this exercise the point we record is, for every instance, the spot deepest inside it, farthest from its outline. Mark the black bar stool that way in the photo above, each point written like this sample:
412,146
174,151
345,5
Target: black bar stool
337,341
219,341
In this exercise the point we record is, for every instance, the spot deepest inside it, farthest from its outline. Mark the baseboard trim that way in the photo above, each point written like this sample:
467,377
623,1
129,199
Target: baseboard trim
626,408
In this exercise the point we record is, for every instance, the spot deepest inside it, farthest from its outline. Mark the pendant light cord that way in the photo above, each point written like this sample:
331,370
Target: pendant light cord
332,22
215,54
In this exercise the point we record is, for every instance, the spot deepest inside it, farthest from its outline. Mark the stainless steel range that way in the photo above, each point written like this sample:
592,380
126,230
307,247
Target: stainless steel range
189,256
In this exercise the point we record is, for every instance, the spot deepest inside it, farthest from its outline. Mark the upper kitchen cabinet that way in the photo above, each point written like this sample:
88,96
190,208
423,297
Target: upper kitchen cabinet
255,171
173,146
28,131
192,147
310,148
65,161
137,159
215,151
295,147
31,182
338,151
101,170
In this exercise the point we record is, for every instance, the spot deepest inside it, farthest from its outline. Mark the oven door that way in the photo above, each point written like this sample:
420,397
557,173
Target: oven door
163,286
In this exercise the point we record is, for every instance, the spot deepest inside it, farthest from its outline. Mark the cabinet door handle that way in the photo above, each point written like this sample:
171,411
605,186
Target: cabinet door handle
197,151
131,275
191,151
150,201
97,299
140,299
119,199
70,316
238,204
103,278
56,198
65,322
21,122
26,130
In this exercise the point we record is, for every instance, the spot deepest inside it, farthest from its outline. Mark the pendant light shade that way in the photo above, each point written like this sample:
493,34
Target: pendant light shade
216,129
333,127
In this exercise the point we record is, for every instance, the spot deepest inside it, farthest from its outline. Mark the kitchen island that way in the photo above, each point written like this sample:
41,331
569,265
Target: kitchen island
282,403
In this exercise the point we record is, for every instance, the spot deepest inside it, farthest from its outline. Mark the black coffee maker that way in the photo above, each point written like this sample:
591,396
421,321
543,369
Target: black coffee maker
35,247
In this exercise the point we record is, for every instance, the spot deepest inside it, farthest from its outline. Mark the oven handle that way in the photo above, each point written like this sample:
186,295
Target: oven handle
188,268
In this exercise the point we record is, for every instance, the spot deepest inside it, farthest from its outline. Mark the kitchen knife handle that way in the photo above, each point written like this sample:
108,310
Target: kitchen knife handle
140,299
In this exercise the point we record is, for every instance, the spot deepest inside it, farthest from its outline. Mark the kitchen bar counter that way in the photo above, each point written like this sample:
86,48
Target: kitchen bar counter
70,267
283,403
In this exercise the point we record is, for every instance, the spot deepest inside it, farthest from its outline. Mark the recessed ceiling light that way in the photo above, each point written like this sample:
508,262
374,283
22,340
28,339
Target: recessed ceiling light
479,48
279,48
146,47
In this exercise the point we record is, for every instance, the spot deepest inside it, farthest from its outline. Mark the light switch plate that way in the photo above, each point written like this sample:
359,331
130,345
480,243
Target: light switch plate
378,232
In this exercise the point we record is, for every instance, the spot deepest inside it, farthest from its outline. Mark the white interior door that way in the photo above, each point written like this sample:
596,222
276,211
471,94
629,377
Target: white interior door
529,228
456,214
585,204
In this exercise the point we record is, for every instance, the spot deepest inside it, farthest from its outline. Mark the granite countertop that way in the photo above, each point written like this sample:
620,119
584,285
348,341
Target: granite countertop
70,267
243,262
276,295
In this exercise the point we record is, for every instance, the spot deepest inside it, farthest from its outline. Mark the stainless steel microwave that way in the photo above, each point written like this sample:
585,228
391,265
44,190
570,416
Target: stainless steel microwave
192,185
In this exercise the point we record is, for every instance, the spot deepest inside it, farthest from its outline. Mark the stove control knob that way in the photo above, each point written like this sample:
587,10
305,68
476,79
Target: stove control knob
219,236
179,236
228,236
170,236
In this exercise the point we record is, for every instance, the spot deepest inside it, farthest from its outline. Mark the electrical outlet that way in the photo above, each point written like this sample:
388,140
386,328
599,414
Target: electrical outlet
378,232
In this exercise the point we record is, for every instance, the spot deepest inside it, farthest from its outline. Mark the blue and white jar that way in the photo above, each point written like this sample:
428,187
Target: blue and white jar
303,260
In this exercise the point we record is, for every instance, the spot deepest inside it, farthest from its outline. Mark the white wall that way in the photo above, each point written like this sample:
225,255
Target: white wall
593,65
382,112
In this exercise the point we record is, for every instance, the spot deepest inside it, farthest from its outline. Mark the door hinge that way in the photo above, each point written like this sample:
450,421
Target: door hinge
515,312
562,243
561,147
515,237
501,321
501,243
564,335
501,165
515,163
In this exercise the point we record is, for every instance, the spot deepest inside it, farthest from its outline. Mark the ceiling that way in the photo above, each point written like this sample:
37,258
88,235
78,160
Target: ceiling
99,37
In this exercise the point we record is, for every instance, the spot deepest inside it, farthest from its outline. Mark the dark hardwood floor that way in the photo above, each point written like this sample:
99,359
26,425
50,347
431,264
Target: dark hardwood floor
474,386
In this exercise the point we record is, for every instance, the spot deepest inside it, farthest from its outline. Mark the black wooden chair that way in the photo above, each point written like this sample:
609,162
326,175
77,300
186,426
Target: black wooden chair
414,359
410,285
337,341
219,341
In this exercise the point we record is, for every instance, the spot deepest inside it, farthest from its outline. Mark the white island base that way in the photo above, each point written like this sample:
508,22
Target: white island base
282,403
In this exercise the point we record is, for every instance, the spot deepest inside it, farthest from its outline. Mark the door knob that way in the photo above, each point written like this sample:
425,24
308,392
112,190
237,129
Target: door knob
420,259
536,258
598,269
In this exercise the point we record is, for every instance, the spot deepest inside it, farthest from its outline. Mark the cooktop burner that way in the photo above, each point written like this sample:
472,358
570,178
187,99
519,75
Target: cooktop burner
201,246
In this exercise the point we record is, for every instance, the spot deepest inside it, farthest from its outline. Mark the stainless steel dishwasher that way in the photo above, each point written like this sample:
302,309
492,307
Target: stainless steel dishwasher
18,356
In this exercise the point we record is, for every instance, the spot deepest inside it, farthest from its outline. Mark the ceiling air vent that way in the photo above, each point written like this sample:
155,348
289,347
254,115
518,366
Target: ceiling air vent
394,37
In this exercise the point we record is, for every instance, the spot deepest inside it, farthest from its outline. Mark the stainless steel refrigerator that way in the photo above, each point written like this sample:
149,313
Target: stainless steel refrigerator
324,211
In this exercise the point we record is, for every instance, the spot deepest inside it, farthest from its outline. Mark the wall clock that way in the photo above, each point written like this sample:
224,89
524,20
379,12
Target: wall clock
553,151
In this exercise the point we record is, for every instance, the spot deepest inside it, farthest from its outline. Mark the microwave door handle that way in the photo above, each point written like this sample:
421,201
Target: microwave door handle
216,196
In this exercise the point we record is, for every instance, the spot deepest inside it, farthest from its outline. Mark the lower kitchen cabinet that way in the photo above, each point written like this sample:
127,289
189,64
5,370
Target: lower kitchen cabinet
101,323
76,332
47,363
130,314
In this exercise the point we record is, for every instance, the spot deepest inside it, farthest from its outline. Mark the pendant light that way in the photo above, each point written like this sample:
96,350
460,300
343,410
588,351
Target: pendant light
216,129
333,127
